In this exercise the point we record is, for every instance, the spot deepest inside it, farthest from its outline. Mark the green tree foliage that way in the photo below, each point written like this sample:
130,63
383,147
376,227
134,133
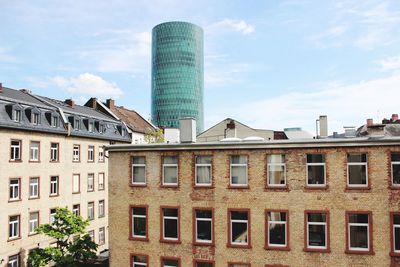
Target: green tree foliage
73,245
154,137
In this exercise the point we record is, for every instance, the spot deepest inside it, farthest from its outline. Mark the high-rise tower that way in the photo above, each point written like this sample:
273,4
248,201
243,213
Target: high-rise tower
177,76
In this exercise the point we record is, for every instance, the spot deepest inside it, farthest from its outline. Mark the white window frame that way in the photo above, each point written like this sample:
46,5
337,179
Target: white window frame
77,124
102,180
177,172
54,151
14,189
102,236
164,265
76,209
90,211
14,224
90,153
54,121
137,216
232,221
141,165
315,164
90,127
16,156
349,224
33,223
76,153
281,223
202,165
76,181
244,165
13,261
33,187
52,215
90,182
101,154
17,115
136,263
102,208
395,226
171,218
358,164
279,165
54,185
91,234
35,118
325,224
391,166
204,220
34,151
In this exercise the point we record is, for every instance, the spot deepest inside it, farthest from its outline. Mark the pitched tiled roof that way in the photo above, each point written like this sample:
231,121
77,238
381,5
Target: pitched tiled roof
133,120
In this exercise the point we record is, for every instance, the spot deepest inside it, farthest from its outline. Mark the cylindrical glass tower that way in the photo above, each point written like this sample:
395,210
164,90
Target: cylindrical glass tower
177,76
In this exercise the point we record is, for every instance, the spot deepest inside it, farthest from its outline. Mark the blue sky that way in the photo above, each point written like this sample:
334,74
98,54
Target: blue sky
269,64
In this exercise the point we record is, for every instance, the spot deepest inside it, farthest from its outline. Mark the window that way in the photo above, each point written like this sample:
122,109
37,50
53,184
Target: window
13,261
239,227
102,236
277,229
14,227
17,115
15,150
54,151
91,234
76,153
203,226
76,183
276,170
90,211
34,187
101,181
90,182
170,262
101,154
203,263
54,121
316,170
317,231
101,208
359,232
138,170
91,126
35,118
77,124
203,171
395,159
395,233
52,216
76,209
91,153
357,170
53,185
34,151
139,222
139,260
170,225
170,171
33,222
15,189
238,171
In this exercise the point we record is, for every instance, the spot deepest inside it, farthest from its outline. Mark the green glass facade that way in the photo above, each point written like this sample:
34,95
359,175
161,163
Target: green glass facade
177,74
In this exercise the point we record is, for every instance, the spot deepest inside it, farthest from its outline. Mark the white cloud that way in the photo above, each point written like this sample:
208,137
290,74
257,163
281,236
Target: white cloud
347,105
87,84
390,63
6,57
329,37
227,25
228,74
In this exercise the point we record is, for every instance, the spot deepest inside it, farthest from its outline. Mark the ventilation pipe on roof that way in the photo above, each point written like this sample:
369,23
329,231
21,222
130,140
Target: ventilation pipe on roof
187,127
322,124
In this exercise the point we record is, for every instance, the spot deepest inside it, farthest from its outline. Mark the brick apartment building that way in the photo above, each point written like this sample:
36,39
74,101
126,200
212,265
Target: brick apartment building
52,156
314,202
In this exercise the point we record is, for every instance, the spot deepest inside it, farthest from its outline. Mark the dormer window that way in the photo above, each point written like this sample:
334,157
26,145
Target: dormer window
91,126
17,115
54,121
77,124
35,118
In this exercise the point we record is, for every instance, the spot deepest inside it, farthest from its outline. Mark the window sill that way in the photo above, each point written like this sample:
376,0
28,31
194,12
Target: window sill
76,161
144,239
90,161
394,254
15,161
359,252
229,245
90,191
277,248
102,216
100,189
33,234
10,239
54,161
395,187
204,244
34,161
76,193
238,187
277,189
170,186
357,189
14,200
203,186
138,185
319,250
55,195
316,188
170,241
33,198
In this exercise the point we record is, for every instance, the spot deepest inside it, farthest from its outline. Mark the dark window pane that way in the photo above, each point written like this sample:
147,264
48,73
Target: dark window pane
357,174
358,237
316,174
316,235
171,228
315,158
239,215
138,160
238,159
239,232
204,264
140,259
170,160
396,173
397,238
139,174
358,218
357,157
170,263
203,160
139,211
170,212
277,234
395,157
203,214
276,175
139,226
316,217
204,230
396,219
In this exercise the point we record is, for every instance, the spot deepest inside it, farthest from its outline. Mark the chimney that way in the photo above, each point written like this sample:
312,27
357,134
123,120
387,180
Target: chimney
187,128
395,117
110,103
370,122
93,102
70,102
323,126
